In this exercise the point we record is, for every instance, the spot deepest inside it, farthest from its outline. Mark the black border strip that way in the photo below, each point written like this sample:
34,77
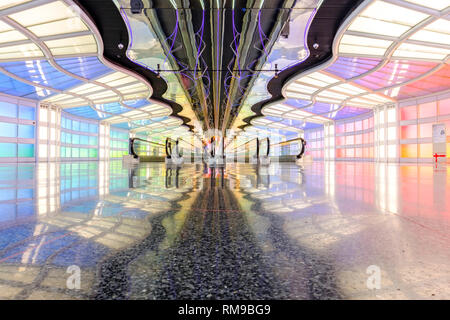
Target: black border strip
327,21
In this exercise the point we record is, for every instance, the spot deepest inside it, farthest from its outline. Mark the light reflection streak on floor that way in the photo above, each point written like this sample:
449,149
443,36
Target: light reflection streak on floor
354,214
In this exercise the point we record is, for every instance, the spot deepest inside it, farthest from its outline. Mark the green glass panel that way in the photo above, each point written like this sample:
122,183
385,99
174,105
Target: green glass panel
26,150
8,150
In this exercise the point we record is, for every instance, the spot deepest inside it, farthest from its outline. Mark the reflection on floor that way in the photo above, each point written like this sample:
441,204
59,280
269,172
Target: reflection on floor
319,231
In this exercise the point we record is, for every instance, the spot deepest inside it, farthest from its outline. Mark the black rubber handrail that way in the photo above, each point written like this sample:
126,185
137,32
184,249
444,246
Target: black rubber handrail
131,150
283,143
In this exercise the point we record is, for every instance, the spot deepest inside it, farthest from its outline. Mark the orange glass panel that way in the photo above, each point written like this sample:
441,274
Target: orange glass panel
358,152
371,152
408,113
444,106
340,141
358,139
340,153
409,150
408,132
340,128
358,125
427,110
425,150
371,122
426,130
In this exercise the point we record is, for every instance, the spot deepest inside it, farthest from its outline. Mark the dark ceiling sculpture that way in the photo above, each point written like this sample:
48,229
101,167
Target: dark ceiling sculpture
216,49
323,29
114,32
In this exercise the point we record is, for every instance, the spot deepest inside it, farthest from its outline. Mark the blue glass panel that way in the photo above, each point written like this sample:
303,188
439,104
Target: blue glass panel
122,125
86,67
63,122
84,139
28,113
86,112
8,130
26,150
68,124
8,109
75,125
26,131
14,87
346,68
93,128
348,112
41,72
8,150
63,137
137,103
84,127
25,193
113,107
75,139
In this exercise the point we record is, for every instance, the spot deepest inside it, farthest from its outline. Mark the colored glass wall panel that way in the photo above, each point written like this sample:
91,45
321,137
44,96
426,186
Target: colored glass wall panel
409,151
8,150
427,110
8,130
26,131
444,107
27,113
408,132
8,109
425,150
26,150
426,130
408,113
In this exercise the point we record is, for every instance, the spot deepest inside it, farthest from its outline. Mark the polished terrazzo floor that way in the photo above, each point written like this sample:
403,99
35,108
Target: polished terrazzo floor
315,231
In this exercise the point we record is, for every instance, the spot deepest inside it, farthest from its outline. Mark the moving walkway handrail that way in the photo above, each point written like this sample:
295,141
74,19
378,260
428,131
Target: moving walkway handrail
131,150
258,146
283,143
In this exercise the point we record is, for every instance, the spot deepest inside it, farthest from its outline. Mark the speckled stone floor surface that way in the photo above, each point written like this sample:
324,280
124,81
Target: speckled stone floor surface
103,230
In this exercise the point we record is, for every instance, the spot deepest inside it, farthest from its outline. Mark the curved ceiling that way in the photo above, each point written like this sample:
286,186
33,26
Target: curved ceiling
52,52
384,52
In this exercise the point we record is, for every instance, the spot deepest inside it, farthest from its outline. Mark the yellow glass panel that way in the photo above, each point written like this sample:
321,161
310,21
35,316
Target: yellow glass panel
426,150
409,151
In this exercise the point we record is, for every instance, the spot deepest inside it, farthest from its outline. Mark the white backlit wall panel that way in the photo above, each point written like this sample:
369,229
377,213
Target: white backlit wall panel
104,142
49,133
385,134
329,141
